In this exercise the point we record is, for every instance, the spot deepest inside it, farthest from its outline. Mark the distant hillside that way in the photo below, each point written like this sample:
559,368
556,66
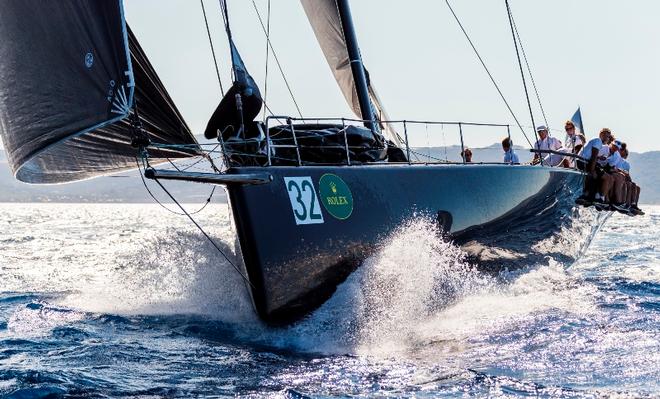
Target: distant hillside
452,153
644,168
124,187
127,187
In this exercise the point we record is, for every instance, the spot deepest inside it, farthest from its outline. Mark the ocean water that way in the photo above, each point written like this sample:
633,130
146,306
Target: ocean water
130,300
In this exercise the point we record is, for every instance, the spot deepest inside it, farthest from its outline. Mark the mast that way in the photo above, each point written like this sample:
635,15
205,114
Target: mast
359,76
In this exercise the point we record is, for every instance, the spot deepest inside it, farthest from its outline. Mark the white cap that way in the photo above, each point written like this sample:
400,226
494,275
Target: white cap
541,127
617,143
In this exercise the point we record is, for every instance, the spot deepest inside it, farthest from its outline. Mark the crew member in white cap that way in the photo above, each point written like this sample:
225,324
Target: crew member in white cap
546,143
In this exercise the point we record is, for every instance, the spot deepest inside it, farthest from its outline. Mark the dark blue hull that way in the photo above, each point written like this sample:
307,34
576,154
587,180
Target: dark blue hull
310,227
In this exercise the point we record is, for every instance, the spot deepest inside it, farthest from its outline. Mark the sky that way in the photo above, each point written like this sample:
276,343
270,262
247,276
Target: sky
598,54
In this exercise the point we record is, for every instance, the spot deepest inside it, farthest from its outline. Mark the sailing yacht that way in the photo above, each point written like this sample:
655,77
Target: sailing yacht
311,198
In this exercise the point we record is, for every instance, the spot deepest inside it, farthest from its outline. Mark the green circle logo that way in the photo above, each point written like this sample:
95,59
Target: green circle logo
336,196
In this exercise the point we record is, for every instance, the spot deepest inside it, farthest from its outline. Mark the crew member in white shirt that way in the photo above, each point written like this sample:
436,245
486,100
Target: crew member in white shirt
604,152
590,154
632,190
545,143
574,143
509,156
612,182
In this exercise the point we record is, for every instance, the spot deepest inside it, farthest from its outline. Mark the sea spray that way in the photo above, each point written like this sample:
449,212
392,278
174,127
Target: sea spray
378,308
178,272
419,291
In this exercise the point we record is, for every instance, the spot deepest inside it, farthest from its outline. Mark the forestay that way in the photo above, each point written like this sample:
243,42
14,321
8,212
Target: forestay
70,73
326,23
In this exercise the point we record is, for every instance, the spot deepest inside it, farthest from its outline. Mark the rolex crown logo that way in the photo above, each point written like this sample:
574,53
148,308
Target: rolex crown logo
333,187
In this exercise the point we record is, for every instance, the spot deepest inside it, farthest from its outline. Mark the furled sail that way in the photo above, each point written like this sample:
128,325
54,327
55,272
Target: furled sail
326,23
70,73
240,105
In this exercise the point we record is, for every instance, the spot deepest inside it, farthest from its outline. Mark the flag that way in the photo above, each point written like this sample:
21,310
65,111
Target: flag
577,120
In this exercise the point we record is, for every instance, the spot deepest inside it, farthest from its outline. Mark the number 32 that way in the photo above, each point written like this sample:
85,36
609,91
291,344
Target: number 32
304,201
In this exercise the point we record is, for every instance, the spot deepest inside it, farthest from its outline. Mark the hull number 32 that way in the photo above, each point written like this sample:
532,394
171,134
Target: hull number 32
304,201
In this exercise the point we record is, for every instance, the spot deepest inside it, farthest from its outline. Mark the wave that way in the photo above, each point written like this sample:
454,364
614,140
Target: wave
417,290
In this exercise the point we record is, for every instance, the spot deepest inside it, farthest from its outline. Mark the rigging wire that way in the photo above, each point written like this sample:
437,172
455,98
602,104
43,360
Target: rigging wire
515,118
151,194
205,234
529,70
522,74
277,60
204,156
267,59
215,60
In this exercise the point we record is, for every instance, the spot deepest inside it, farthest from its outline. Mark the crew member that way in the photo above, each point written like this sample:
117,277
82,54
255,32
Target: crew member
546,143
466,155
632,190
612,181
604,152
574,143
509,155
590,155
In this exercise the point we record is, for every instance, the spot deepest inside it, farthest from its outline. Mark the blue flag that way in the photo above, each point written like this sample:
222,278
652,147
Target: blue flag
577,120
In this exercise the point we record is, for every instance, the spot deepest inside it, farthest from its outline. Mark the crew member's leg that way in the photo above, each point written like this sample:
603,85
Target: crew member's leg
605,187
617,194
636,196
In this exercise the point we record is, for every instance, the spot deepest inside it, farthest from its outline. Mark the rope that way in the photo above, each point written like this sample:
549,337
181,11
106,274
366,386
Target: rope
277,60
529,70
205,234
151,194
522,74
489,74
267,59
204,156
215,60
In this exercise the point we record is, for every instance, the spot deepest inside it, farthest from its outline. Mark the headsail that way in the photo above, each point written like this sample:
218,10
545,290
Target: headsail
326,23
70,72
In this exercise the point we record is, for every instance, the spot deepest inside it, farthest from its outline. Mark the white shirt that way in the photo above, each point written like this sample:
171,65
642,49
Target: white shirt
614,159
624,165
573,141
550,143
596,143
511,157
603,154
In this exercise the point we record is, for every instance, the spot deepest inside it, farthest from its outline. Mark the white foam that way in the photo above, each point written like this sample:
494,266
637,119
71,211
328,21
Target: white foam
416,289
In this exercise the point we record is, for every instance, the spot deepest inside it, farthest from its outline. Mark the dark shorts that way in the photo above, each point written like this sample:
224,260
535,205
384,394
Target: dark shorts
582,165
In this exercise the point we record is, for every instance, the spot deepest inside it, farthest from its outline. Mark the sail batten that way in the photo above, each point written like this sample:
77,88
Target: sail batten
71,73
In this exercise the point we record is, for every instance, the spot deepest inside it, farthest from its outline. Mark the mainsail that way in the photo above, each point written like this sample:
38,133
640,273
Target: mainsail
326,23
70,74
